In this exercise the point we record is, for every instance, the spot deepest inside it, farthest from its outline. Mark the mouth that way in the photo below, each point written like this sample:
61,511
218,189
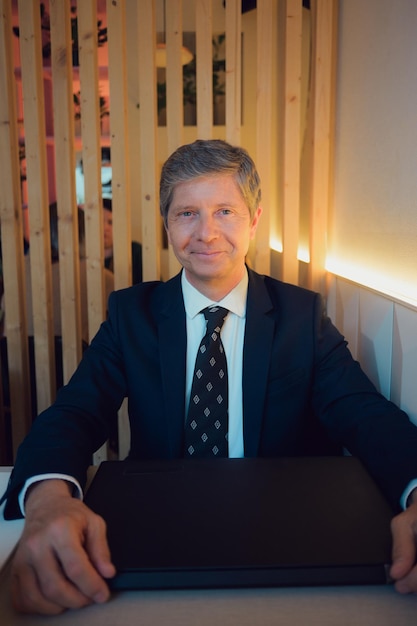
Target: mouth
207,253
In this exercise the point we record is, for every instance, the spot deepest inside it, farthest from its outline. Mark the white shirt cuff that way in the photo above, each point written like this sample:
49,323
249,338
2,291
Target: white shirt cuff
407,492
77,491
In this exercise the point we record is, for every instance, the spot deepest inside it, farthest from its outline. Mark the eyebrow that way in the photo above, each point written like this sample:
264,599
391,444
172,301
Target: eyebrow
187,207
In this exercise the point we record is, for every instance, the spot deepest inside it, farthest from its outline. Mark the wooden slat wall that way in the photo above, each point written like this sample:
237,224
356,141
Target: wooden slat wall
12,250
119,143
38,199
204,29
233,71
263,129
91,157
175,108
292,140
148,146
69,266
138,149
324,17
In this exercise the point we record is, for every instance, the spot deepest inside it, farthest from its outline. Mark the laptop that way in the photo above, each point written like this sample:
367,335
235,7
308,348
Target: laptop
255,522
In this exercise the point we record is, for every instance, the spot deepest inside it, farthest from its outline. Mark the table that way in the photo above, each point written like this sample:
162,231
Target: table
320,606
9,532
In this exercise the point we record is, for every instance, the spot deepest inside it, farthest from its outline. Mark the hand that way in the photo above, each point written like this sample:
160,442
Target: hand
404,552
62,557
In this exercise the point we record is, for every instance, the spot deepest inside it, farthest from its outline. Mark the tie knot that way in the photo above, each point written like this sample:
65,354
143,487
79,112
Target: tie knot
215,316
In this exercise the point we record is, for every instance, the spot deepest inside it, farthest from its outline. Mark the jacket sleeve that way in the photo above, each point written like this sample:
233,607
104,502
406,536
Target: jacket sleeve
358,416
64,437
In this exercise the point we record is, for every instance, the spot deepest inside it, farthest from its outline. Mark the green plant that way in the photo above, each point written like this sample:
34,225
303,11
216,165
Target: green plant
189,78
46,33
101,35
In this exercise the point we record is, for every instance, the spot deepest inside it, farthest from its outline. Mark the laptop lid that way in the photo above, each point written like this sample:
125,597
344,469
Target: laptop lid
243,522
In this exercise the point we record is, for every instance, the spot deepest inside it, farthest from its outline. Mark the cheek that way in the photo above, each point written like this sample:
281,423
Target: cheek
179,236
173,237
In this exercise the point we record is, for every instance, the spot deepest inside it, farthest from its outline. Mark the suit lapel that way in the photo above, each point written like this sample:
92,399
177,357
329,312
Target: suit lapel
173,344
256,360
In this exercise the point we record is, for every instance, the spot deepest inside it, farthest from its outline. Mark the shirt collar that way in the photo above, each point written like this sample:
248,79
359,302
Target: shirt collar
234,301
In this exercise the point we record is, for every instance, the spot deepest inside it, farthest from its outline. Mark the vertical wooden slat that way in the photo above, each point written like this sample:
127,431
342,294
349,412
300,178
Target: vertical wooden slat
91,155
69,267
38,200
11,238
122,232
151,224
324,58
292,141
233,71
263,130
204,67
175,108
131,18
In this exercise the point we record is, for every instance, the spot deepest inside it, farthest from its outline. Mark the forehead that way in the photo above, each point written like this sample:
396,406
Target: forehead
219,188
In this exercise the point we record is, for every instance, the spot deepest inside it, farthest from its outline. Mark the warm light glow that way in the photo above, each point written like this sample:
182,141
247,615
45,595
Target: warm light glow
161,55
275,244
303,254
393,287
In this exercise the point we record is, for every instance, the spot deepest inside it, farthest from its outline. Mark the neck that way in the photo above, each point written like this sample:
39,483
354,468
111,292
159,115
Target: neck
215,289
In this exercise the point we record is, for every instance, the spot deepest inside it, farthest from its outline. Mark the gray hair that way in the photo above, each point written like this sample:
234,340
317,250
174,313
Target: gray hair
205,158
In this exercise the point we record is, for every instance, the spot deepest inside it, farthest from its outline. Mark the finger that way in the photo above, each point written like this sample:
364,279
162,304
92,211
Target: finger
79,560
403,548
28,596
57,587
80,572
408,584
98,548
50,589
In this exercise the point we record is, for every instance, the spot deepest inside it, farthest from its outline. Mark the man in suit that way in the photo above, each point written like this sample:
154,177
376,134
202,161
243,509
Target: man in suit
291,381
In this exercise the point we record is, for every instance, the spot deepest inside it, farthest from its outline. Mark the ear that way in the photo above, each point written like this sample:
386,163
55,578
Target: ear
255,222
168,235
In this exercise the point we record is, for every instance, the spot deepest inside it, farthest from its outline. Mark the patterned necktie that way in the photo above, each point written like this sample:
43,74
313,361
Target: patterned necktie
207,420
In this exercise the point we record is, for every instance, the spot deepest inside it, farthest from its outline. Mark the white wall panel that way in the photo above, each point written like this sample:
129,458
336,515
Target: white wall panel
347,313
375,338
383,337
404,360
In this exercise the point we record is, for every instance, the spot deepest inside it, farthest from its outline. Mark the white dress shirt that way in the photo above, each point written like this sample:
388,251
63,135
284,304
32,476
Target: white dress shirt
232,334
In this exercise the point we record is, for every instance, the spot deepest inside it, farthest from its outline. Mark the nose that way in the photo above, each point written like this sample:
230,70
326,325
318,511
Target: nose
207,229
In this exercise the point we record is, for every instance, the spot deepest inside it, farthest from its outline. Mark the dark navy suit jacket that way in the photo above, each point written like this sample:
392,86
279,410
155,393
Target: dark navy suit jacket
299,380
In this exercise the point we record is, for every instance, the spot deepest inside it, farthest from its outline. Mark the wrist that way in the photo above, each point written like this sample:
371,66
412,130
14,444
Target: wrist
49,488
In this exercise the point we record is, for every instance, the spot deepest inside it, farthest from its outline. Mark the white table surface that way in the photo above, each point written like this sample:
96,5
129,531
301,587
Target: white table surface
10,531
319,606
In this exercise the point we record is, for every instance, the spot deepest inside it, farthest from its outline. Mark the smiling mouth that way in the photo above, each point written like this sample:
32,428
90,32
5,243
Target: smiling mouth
207,252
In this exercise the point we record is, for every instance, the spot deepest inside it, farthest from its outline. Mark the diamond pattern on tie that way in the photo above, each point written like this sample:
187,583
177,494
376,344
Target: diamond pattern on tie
207,421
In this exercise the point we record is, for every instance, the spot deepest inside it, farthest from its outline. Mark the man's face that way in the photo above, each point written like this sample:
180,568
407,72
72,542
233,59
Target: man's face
210,228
